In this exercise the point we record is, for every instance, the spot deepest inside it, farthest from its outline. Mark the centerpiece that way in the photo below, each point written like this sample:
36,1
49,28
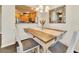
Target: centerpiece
42,22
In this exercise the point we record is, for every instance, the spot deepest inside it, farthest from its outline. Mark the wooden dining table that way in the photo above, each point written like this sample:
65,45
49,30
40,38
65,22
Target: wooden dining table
45,37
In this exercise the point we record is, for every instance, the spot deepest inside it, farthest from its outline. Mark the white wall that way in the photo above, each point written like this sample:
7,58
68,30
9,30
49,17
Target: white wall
8,25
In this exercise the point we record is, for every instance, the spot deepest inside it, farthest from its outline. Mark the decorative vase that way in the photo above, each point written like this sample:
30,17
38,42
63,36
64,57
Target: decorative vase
42,22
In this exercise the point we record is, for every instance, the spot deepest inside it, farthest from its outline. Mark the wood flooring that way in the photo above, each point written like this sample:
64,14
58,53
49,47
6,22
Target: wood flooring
8,49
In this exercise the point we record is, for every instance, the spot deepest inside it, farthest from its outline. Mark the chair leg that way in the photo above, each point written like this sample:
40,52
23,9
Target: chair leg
19,50
38,49
33,51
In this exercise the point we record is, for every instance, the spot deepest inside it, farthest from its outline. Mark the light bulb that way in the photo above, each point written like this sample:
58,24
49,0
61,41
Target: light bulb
40,7
46,8
37,9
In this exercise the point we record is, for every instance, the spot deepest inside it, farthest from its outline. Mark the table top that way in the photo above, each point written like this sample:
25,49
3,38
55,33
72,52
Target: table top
44,35
55,32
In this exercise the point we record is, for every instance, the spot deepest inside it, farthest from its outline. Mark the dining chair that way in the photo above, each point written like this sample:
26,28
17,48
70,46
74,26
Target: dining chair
61,48
27,45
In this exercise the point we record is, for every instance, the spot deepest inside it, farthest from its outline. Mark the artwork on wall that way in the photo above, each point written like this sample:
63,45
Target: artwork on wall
58,15
25,14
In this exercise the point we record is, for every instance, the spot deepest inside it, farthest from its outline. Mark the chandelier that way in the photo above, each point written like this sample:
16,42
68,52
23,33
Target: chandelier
42,8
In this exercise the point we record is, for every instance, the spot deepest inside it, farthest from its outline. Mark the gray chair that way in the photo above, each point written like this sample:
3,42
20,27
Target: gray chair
27,45
61,48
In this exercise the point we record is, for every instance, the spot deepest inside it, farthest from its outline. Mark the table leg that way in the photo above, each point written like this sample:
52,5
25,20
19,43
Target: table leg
44,49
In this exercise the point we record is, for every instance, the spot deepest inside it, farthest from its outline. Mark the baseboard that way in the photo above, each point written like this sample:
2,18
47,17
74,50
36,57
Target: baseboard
2,46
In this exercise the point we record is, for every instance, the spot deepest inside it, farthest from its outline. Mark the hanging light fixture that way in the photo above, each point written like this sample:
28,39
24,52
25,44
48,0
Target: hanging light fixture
42,8
47,8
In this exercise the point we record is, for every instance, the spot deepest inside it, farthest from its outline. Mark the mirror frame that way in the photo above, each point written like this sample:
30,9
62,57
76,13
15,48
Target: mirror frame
63,14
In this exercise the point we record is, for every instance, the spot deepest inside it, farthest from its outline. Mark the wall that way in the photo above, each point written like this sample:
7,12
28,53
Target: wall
8,25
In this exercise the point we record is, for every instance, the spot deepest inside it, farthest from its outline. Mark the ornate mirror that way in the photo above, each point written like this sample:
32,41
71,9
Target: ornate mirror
57,15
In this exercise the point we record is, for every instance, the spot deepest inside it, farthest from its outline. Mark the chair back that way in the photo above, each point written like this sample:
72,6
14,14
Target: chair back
73,42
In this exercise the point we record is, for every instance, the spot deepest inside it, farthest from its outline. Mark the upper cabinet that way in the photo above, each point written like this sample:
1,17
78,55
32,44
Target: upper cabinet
58,15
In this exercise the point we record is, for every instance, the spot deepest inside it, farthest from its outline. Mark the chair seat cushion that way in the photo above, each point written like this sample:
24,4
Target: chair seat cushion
29,43
58,48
